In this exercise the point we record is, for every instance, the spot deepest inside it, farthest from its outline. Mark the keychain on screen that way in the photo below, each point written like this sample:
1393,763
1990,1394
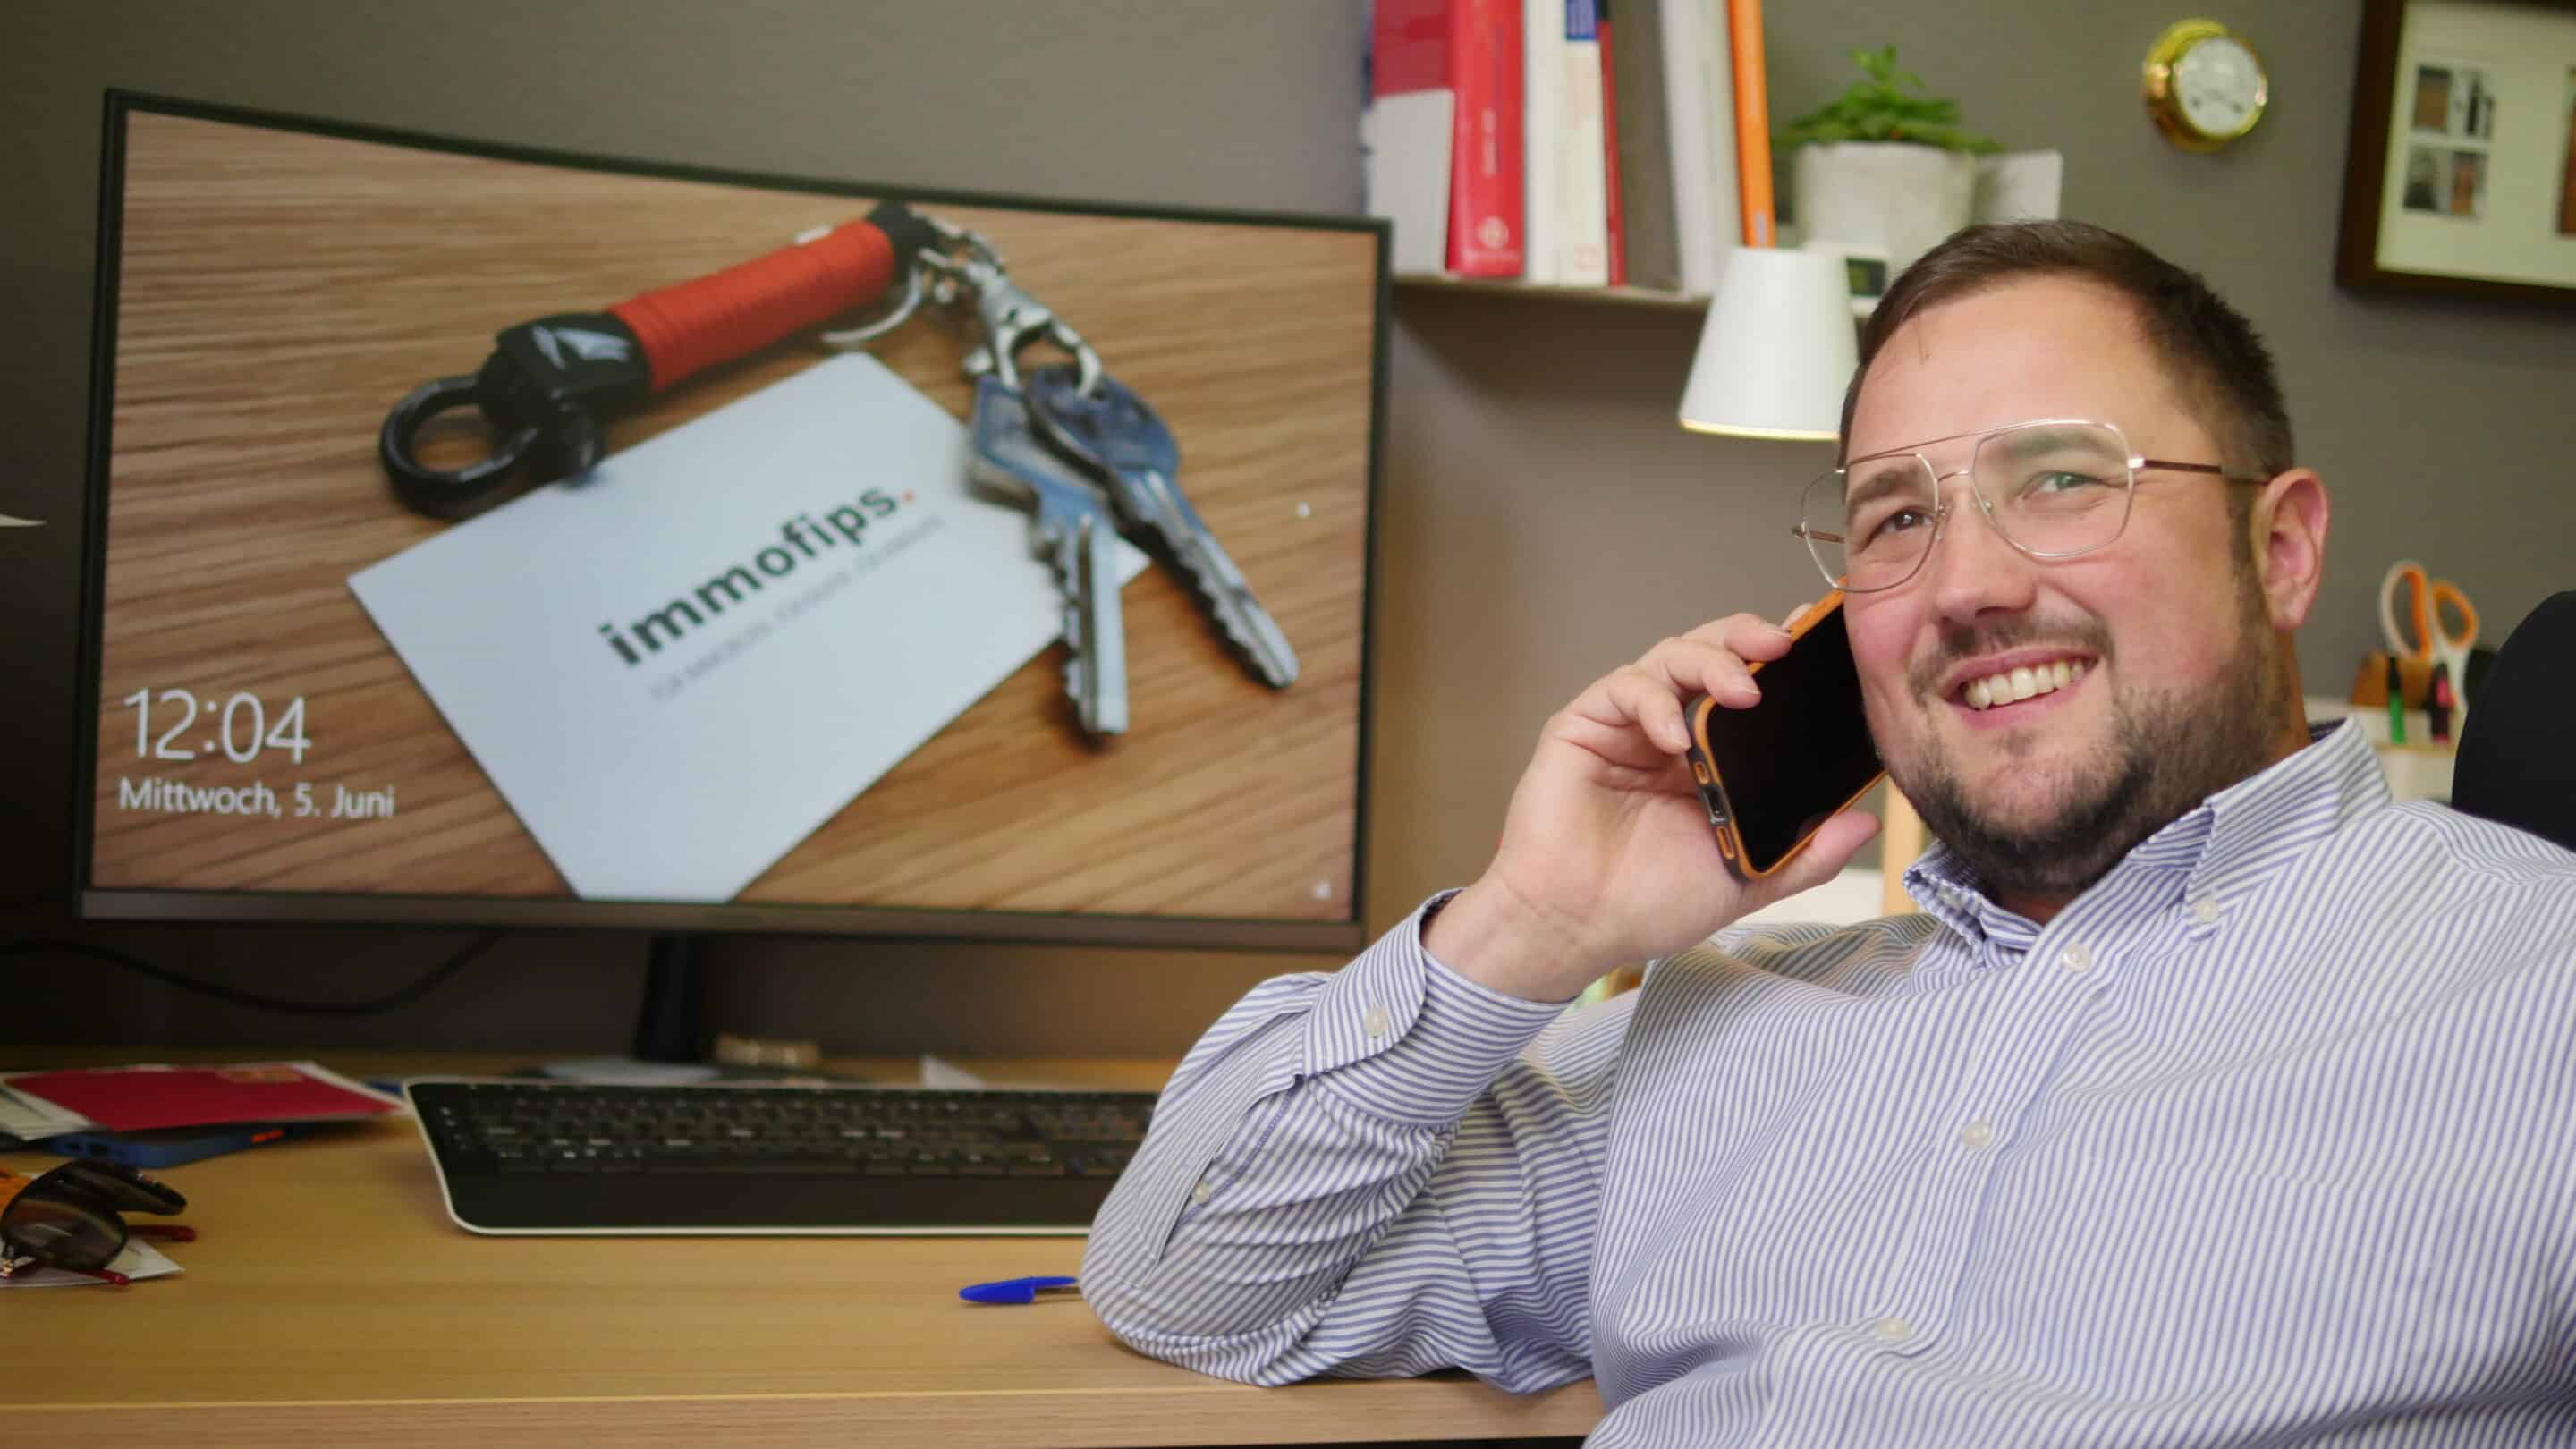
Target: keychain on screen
1089,458
551,385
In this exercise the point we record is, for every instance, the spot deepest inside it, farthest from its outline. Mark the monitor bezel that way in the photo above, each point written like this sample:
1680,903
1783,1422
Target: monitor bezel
121,903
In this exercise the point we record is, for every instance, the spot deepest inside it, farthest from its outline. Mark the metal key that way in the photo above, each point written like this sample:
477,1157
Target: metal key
1123,441
1075,532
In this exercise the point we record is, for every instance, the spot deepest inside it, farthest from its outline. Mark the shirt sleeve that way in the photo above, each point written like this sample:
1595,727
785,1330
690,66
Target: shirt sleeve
1375,1172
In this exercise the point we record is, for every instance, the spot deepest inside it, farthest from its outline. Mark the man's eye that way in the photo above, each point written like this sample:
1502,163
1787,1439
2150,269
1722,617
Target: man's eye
2058,480
1893,522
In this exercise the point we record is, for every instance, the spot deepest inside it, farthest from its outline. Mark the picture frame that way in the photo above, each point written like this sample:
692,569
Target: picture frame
2460,167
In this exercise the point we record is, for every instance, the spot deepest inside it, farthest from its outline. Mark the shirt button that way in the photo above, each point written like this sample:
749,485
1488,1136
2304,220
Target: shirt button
1892,1330
2077,958
1376,1021
1977,1134
1199,1191
2205,911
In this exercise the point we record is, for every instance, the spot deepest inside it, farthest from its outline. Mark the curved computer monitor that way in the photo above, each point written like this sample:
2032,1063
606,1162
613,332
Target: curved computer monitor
684,618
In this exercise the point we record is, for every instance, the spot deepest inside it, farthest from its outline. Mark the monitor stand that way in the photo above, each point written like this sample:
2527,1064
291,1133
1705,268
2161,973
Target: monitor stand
670,1025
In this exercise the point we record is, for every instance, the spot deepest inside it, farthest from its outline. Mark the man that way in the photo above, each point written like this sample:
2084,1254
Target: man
2212,1099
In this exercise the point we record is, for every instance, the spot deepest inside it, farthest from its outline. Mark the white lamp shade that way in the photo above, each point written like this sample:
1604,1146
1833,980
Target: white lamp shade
1776,351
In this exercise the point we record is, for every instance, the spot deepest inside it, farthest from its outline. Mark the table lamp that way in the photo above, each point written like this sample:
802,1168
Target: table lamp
1777,349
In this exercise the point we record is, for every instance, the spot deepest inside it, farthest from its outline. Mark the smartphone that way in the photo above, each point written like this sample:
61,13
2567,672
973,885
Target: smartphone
1772,774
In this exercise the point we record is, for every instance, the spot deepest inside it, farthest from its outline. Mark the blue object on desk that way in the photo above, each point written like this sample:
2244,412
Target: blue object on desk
1016,1290
168,1147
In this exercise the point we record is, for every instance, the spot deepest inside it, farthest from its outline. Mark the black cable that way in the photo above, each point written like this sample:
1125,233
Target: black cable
430,981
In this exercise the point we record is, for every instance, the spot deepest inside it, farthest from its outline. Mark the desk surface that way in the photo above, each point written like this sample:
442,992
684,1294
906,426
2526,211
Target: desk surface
329,1300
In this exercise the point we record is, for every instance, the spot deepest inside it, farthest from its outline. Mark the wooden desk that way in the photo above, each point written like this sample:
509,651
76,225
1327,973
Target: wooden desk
329,1301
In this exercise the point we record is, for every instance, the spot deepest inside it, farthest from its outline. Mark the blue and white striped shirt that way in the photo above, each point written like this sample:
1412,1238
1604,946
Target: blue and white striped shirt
2267,1138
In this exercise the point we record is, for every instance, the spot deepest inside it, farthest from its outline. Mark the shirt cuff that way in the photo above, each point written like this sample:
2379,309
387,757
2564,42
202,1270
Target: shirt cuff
1404,1038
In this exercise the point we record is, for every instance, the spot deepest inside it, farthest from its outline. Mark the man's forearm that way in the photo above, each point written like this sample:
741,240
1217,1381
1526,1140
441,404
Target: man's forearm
1288,1162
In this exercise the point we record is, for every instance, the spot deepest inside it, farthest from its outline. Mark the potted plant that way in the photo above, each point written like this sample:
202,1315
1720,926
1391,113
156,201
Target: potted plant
1883,167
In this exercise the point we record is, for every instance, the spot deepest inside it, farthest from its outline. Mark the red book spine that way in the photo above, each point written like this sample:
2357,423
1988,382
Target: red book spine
1485,160
1610,157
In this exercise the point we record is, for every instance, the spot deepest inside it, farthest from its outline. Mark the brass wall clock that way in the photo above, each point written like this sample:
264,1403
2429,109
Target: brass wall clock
2205,86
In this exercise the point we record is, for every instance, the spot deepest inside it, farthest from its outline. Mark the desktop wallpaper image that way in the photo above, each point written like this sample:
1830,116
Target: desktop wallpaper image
279,289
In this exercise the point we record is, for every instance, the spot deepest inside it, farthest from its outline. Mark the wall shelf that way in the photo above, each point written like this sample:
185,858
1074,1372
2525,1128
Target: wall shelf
1629,296
1861,307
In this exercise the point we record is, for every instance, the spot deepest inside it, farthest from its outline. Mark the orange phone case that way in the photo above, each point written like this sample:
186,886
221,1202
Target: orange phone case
1712,790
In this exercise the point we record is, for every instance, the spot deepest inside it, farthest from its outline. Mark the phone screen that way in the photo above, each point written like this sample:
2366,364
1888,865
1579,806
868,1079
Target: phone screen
1801,753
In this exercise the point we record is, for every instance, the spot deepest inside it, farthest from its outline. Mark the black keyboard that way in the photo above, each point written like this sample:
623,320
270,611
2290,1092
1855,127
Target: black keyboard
588,1157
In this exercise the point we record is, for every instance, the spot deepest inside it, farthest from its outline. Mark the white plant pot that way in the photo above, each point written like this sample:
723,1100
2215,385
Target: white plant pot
1894,196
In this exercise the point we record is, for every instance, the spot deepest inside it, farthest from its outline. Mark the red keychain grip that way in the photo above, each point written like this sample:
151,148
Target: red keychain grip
688,328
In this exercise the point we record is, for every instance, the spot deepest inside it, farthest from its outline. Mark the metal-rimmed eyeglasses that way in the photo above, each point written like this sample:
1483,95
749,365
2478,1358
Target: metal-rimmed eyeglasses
2053,488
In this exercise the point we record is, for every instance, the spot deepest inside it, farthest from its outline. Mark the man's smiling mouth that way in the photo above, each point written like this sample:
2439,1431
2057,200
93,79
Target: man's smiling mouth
2021,682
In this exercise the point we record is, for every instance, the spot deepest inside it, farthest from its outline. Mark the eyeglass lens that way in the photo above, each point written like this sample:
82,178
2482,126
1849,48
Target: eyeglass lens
69,1216
2052,488
61,1234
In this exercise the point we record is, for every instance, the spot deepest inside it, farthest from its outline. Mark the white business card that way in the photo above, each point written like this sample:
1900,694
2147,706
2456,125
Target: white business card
680,666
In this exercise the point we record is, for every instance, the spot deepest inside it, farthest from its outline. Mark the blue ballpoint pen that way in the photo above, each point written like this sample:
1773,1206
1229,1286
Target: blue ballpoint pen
1016,1290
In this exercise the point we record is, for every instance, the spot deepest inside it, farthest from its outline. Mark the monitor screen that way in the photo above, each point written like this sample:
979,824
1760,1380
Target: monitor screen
481,534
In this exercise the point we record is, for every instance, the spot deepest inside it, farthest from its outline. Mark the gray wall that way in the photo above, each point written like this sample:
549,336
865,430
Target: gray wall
1543,518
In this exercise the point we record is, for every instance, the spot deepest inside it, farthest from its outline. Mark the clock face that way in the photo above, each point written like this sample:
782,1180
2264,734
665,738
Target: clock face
2218,86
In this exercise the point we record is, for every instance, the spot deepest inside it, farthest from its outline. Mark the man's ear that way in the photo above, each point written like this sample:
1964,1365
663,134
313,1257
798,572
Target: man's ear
2289,541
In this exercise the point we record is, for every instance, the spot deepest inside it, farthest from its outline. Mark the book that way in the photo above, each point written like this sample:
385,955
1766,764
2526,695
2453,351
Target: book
1650,239
1408,132
1485,174
1613,220
1717,72
1700,96
1545,140
1582,189
1445,108
1405,140
1752,122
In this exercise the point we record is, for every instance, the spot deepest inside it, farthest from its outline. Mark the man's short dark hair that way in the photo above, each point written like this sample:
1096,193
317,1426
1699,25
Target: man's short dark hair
2220,369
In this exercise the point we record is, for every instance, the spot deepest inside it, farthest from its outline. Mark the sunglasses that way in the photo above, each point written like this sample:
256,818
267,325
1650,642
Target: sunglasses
71,1218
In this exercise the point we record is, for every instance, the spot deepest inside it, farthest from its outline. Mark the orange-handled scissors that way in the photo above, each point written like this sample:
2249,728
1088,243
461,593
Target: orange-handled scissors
2411,605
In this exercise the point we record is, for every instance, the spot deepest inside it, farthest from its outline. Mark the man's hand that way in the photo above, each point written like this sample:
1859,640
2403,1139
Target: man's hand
1607,858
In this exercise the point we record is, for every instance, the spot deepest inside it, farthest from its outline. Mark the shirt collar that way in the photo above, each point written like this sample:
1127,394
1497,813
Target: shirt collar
2237,836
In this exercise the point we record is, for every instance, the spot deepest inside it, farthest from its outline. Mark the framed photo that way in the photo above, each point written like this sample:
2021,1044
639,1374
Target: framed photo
2460,175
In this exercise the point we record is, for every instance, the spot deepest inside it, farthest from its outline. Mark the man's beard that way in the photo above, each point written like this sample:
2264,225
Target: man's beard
2167,753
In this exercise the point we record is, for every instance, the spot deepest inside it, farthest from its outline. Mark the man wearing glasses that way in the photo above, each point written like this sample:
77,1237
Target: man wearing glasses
2212,1098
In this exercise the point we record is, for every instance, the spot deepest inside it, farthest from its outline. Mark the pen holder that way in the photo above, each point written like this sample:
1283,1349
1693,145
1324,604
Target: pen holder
2419,728
2414,681
2417,772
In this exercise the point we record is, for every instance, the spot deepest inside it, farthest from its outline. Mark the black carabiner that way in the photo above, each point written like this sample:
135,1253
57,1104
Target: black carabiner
443,493
546,391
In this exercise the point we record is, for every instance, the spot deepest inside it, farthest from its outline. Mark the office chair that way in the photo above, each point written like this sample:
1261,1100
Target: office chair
2517,762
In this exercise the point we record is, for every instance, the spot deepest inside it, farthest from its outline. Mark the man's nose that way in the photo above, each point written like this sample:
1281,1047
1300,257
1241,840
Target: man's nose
1974,568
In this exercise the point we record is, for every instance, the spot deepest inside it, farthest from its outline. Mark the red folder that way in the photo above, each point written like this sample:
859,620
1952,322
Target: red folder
135,1099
